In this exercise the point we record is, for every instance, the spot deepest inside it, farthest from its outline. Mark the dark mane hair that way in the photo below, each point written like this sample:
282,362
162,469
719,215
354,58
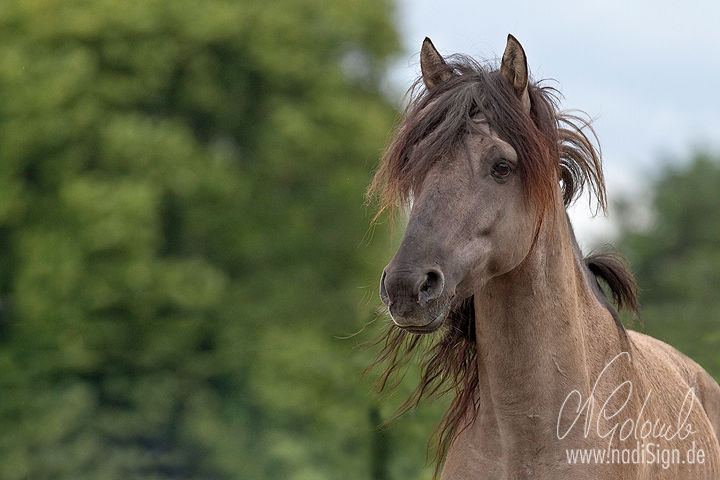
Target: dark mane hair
553,149
551,145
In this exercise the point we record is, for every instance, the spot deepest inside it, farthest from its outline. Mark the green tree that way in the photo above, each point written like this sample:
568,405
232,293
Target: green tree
183,238
677,261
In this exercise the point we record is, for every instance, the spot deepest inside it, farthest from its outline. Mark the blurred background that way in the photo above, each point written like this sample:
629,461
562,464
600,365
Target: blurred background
185,255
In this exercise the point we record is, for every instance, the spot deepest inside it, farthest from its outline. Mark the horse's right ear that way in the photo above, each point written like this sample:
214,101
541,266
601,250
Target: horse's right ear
434,69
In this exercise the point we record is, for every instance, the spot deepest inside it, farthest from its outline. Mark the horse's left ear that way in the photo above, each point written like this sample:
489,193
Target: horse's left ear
432,65
515,71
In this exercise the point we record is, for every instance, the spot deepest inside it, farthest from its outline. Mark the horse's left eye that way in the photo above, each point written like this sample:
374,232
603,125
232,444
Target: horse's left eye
501,170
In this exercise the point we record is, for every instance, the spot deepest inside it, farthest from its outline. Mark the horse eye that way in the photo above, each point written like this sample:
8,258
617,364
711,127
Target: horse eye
501,170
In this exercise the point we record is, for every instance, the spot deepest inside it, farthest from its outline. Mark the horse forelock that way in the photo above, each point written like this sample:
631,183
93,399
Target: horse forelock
552,145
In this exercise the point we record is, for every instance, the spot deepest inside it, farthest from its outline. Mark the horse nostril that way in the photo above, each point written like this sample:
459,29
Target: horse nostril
431,287
383,292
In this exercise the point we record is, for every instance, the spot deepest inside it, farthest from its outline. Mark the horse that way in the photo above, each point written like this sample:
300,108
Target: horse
489,290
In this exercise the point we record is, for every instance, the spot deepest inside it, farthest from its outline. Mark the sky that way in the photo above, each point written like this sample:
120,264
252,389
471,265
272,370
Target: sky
646,71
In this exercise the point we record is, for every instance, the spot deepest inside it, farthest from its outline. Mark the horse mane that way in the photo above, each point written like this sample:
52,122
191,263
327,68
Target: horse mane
610,267
551,144
553,148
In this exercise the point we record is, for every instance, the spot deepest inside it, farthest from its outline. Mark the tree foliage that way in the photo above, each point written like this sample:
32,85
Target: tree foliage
677,260
183,238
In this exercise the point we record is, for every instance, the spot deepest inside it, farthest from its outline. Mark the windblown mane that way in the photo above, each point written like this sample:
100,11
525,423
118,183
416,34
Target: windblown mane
552,145
552,148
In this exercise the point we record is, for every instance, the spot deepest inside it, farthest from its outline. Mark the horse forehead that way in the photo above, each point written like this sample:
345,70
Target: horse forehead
487,139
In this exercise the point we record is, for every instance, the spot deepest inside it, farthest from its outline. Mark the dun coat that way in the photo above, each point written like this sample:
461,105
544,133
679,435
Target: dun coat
547,382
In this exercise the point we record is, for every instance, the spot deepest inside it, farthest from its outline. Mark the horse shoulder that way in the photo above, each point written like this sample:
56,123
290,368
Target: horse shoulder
667,367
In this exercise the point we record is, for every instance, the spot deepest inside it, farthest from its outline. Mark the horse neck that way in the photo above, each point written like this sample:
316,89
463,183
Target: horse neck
539,332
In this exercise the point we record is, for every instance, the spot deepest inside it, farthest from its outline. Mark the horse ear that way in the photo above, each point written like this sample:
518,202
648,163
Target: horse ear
514,69
434,69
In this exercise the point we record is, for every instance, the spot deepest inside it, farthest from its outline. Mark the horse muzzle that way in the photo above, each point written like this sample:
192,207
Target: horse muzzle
415,297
